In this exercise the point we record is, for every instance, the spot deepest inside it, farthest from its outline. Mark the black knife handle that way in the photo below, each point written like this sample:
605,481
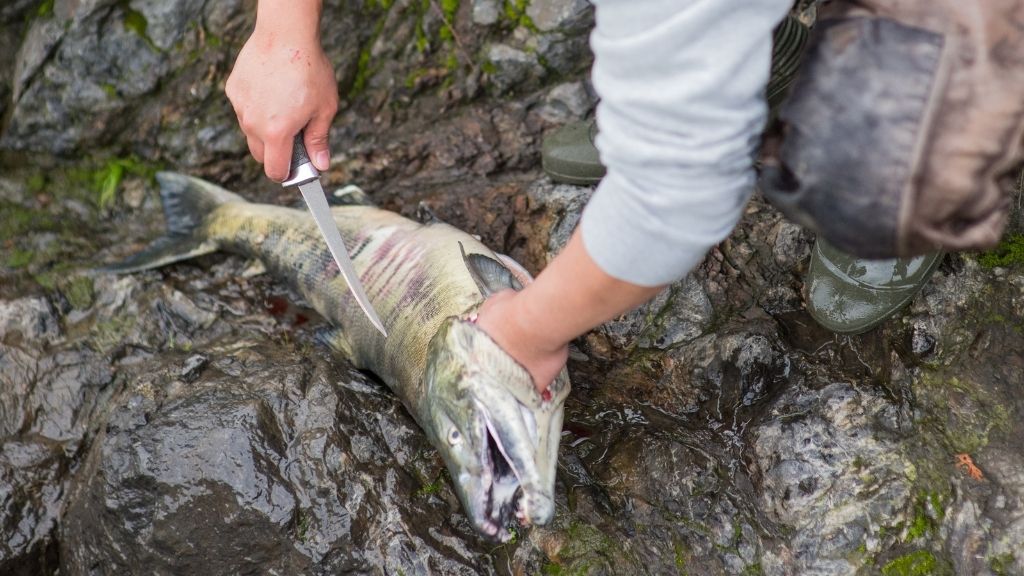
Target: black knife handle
299,155
301,169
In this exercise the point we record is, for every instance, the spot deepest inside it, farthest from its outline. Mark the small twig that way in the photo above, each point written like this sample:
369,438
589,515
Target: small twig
455,35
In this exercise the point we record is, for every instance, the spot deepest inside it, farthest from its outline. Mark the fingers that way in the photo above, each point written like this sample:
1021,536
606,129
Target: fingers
277,156
316,134
255,148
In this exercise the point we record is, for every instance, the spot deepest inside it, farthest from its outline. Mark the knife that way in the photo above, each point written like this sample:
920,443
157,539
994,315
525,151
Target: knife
304,175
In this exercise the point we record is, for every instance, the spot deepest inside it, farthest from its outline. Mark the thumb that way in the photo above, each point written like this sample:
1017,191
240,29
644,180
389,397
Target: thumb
316,141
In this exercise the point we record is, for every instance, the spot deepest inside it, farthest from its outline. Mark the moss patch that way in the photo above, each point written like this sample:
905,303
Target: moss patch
919,563
1009,253
135,22
45,9
105,179
79,291
1002,565
17,220
515,13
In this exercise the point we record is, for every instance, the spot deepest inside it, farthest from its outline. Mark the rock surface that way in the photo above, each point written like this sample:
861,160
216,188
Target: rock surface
189,421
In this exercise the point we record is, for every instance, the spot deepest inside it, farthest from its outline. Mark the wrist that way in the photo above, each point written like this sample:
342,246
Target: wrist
293,21
533,322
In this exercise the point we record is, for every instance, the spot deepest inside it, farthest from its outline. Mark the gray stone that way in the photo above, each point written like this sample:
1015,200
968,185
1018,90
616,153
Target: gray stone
32,318
560,54
486,12
829,476
792,244
684,316
564,205
513,68
560,15
31,491
567,102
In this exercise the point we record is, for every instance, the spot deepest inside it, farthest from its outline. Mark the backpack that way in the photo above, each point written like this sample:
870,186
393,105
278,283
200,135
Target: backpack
902,124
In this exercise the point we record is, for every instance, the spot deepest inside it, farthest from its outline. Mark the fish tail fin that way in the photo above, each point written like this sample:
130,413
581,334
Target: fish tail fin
186,201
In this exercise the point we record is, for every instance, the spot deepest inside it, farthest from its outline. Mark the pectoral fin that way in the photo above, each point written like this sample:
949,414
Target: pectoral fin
489,274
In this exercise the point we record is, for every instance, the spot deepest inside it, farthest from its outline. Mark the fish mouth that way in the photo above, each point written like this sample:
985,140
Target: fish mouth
501,495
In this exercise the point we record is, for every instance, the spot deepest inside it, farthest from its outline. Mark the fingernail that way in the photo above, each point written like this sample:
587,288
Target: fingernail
322,160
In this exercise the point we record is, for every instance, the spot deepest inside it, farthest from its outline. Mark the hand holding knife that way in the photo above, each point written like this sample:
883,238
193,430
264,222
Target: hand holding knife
304,175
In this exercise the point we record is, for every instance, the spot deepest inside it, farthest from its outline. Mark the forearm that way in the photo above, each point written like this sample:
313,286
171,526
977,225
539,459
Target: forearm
572,296
293,19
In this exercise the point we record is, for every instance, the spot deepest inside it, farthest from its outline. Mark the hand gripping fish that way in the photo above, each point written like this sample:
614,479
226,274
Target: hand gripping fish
497,434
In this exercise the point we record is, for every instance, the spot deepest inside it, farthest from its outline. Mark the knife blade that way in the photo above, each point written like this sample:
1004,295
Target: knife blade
307,178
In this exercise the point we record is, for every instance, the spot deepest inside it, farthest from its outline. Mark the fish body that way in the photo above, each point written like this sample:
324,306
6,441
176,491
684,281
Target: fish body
498,436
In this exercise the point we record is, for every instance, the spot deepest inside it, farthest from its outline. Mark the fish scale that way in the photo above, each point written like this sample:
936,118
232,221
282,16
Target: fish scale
281,237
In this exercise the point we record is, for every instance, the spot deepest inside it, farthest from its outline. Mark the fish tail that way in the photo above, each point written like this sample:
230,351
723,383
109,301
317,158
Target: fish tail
187,203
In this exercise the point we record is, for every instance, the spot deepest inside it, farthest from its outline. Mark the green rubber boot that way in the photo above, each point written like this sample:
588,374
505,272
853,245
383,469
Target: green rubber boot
569,155
850,295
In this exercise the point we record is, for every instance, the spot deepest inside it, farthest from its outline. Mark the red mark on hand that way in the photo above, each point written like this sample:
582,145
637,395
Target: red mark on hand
296,54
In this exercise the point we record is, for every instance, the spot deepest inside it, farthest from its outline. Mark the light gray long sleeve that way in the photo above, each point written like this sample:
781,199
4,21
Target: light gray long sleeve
682,108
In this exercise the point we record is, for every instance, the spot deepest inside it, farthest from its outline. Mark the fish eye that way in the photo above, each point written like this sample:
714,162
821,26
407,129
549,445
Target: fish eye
454,436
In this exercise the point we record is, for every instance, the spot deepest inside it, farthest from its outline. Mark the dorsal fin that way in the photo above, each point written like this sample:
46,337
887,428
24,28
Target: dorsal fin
489,274
426,215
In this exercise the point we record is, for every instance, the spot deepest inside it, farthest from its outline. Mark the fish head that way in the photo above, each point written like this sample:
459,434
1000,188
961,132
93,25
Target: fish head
496,433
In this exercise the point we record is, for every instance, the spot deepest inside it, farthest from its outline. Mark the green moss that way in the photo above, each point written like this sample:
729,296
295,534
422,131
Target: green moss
928,514
53,276
429,489
110,90
754,569
135,22
1009,252
36,183
18,258
364,71
302,526
80,292
681,555
105,180
552,569
45,9
515,12
919,563
16,220
1002,565
108,334
449,8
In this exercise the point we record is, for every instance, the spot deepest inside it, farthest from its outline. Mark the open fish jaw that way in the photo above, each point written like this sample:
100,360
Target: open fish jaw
475,387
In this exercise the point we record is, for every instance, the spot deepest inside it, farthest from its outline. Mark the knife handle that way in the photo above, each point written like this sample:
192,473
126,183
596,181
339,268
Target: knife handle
302,169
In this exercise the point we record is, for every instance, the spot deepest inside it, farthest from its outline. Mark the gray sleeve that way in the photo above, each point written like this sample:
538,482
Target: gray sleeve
682,108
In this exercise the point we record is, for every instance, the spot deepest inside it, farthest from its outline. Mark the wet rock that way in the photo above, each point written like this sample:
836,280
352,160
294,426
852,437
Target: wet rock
512,68
561,15
562,55
792,244
32,471
684,315
95,72
31,318
486,12
567,102
830,475
249,467
562,205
